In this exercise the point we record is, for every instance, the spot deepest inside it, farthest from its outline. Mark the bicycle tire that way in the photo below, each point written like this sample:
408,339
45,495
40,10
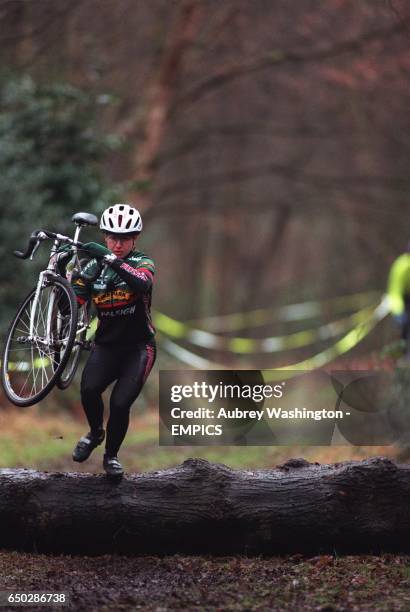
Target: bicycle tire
29,370
67,375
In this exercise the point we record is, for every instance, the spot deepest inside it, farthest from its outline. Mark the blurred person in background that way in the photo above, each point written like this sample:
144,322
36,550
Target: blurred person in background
398,292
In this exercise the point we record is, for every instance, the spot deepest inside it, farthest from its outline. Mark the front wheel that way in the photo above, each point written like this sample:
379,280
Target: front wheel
39,342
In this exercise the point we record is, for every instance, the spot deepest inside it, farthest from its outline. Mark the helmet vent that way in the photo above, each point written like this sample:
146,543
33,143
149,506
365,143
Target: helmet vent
120,219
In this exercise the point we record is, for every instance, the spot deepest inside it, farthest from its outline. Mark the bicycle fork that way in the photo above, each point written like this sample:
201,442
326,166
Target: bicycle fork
50,310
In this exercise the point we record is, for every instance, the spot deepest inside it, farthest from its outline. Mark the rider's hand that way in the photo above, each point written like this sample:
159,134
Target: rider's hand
108,259
96,250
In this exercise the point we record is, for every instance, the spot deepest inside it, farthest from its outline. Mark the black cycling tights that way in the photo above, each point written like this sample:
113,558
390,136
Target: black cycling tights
129,366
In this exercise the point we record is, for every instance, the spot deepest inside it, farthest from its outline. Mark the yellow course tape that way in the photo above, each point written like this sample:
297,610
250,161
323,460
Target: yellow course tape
345,344
176,329
291,312
189,358
365,320
25,366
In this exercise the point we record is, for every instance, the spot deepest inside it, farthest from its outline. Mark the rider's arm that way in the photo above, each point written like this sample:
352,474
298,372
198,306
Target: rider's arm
139,275
82,288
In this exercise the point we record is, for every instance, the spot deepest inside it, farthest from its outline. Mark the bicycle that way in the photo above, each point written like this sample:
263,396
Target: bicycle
49,331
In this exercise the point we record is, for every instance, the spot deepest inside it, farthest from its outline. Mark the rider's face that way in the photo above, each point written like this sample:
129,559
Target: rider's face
120,245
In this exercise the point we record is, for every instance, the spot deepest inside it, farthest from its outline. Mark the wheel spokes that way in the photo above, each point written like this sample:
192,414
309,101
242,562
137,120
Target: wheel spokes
38,342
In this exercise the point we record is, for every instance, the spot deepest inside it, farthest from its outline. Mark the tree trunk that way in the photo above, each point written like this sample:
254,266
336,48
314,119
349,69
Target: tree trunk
165,83
199,507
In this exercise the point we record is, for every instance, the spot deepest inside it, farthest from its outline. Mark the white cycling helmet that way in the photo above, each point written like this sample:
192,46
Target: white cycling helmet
121,219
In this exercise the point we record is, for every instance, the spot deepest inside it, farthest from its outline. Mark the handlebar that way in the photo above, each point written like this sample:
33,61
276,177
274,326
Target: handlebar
37,236
30,247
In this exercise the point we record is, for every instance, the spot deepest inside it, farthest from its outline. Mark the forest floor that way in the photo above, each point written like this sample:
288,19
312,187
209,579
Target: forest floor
163,584
106,583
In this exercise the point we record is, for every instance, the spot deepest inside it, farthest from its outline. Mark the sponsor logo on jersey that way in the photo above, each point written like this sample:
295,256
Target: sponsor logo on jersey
134,271
119,295
118,312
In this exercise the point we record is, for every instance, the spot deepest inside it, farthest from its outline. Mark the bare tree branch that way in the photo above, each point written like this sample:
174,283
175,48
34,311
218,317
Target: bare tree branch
43,27
280,57
289,172
364,205
399,15
254,128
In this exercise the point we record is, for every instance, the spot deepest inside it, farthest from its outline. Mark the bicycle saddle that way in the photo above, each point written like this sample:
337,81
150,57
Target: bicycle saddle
83,218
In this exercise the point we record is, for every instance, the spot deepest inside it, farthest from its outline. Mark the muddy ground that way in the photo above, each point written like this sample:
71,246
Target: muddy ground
109,583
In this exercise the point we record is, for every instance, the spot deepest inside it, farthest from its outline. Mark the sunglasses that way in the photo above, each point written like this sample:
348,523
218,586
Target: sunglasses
119,238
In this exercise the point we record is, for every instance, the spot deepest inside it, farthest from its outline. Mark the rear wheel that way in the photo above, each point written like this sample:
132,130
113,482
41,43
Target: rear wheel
33,362
66,377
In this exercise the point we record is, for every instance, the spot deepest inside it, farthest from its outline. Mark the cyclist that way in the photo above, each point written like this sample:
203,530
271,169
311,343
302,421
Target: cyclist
398,291
124,350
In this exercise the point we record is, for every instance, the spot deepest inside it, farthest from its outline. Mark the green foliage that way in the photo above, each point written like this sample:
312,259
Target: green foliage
51,154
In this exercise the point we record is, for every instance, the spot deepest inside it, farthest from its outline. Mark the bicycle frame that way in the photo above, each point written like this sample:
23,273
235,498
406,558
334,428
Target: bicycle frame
47,326
51,271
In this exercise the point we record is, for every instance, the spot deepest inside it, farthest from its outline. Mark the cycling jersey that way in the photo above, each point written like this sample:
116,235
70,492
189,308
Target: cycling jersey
122,297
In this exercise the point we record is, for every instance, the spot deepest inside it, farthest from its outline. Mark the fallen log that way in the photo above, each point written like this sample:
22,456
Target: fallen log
200,507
